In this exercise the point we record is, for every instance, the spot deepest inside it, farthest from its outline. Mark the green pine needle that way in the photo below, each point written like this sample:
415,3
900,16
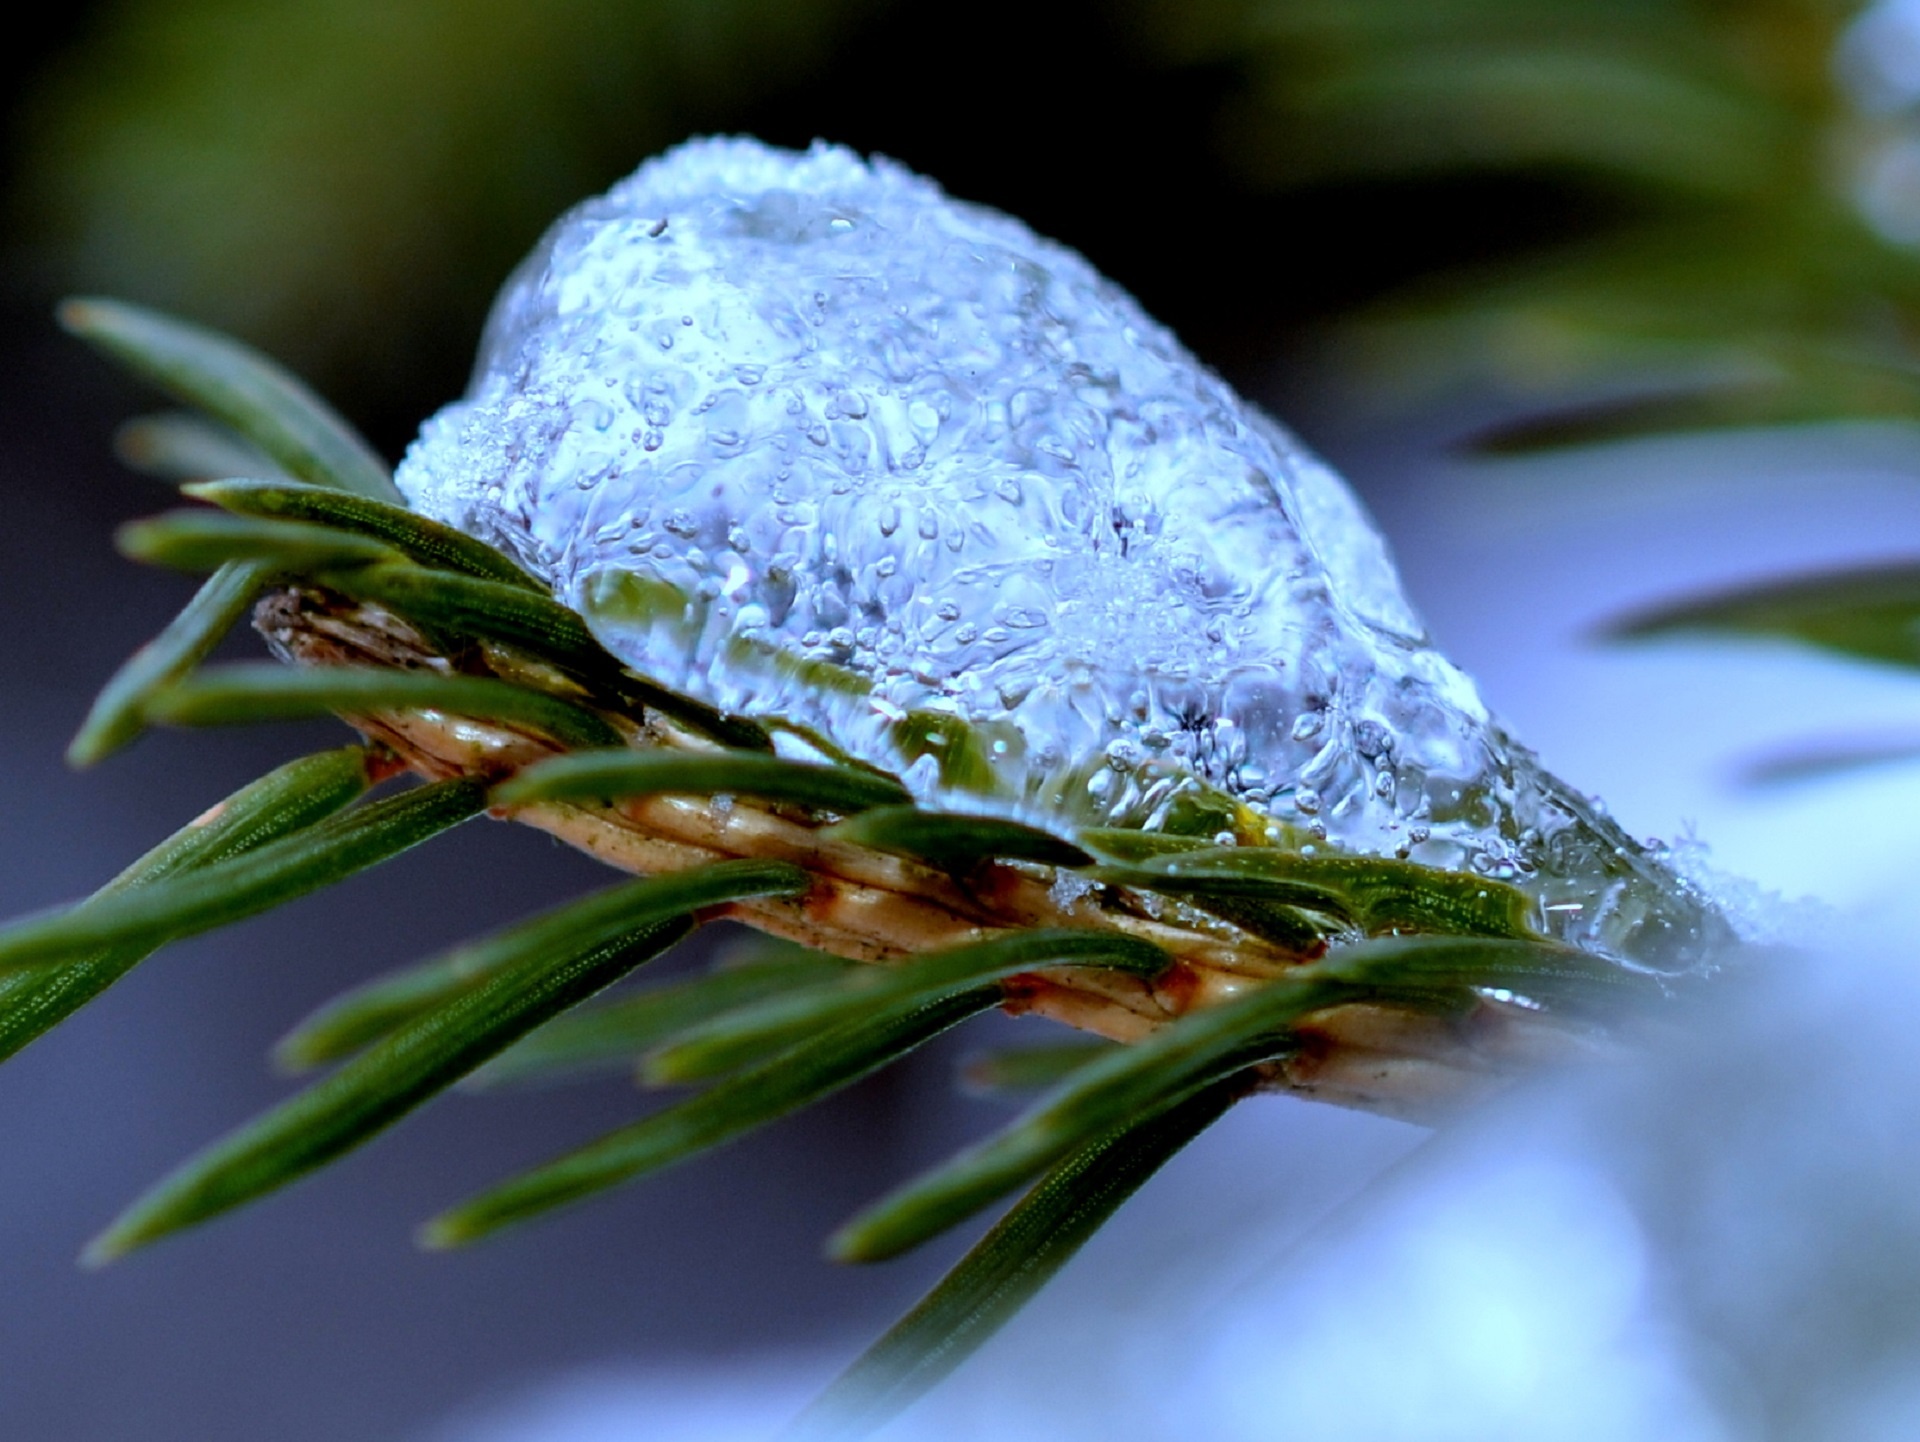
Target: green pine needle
266,691
241,886
238,387
381,1007
823,1064
119,714
754,1032
202,540
464,607
1202,1047
1870,612
427,541
613,1033
956,841
455,605
180,446
527,975
612,775
1378,894
282,803
1004,1270
1208,887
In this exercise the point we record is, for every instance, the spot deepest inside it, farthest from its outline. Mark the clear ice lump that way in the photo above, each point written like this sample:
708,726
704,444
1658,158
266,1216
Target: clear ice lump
804,437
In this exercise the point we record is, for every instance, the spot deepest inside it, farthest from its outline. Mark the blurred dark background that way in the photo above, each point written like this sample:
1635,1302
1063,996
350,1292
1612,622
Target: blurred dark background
1618,214
347,183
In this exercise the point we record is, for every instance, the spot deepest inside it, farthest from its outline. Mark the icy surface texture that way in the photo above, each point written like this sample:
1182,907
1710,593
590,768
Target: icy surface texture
805,438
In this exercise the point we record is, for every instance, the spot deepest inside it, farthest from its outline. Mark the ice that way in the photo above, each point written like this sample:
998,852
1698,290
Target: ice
804,437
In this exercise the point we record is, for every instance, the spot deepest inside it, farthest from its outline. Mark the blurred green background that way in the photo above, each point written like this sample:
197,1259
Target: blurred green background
1573,200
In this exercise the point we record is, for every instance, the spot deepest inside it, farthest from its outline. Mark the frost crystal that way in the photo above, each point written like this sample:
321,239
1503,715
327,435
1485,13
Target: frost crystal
804,437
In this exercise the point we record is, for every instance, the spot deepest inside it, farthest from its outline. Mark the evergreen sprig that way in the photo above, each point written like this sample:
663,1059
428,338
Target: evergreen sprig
966,912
